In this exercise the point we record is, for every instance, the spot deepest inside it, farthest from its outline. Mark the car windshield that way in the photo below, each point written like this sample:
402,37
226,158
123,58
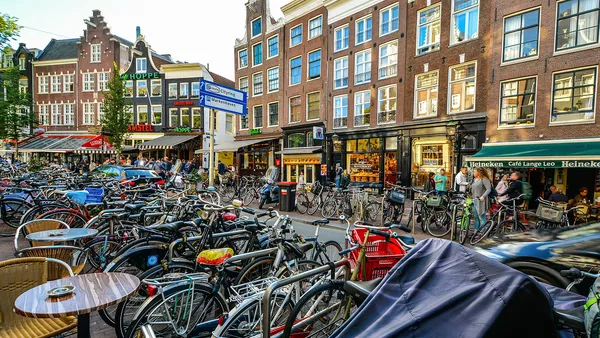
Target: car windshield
140,173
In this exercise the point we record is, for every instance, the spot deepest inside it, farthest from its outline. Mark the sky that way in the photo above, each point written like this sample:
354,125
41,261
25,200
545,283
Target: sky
190,30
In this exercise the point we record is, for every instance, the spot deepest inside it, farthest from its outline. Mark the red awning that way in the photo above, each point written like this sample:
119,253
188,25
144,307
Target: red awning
96,143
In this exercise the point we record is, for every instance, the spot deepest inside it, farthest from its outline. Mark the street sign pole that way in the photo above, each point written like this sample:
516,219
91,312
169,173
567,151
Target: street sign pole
211,149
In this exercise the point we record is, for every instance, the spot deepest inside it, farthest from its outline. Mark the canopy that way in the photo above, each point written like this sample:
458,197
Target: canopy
166,142
302,150
235,145
541,154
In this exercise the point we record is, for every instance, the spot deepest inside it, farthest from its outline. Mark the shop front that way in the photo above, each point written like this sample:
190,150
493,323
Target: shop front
303,153
430,155
173,146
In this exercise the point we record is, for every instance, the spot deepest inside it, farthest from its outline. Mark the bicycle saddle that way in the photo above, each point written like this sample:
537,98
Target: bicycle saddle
410,240
134,208
170,227
571,317
321,221
361,289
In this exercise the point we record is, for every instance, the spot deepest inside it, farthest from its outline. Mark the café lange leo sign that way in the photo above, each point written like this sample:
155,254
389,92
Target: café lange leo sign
536,164
140,76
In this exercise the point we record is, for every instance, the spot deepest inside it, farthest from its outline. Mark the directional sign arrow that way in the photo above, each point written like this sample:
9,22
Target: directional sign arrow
221,104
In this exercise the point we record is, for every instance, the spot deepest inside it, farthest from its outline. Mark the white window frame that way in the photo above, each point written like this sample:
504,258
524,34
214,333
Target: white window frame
429,25
181,86
176,111
379,61
252,27
453,18
137,88
291,77
196,91
362,105
335,70
232,118
127,82
290,109
183,112
292,36
449,103
22,62
139,63
308,64
379,105
153,120
55,114
320,29
247,84
269,113
341,107
68,79
240,59
307,106
138,109
88,85
269,80
342,28
367,65
55,84
590,121
262,57
196,111
429,90
171,86
96,53
388,8
269,56
89,115
152,82
254,116
43,84
100,112
43,115
103,81
364,20
69,119
501,96
262,86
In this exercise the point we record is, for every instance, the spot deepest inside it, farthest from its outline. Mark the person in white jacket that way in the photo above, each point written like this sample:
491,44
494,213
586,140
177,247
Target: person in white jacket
461,181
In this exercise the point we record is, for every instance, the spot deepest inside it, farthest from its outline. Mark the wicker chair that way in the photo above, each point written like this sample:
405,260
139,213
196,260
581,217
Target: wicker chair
64,253
38,225
582,213
16,277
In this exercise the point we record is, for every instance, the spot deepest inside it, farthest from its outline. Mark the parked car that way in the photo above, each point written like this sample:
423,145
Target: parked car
543,254
138,176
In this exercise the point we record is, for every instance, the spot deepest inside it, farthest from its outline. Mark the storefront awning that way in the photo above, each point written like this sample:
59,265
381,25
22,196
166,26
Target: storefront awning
235,145
303,150
166,142
579,153
55,144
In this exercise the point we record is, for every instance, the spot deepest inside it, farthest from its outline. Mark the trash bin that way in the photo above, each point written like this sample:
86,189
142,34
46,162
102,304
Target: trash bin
287,196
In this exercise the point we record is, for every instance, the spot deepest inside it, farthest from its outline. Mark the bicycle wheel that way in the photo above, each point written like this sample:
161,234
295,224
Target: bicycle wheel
509,226
314,204
320,312
329,208
249,196
169,312
463,231
13,210
483,231
70,216
302,203
258,269
98,253
329,252
372,212
438,224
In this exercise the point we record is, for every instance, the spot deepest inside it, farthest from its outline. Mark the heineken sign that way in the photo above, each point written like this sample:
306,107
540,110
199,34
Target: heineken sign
535,164
140,76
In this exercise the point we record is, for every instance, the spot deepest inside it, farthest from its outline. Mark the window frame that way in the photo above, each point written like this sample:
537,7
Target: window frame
274,37
187,94
362,104
595,93
196,91
97,53
335,107
152,114
291,71
575,48
379,106
196,111
71,77
70,114
452,20
335,69
244,118
232,117
91,113
344,38
185,112
320,16
152,82
137,88
137,114
169,87
176,110
383,10
90,83
363,19
292,35
299,105
58,114
247,83
262,116
416,89
379,67
240,58
53,84
356,64
269,113
22,62
308,106
252,35
43,115
137,65
44,84
449,98
501,97
262,55
428,25
262,84
269,80
308,78
103,83
504,33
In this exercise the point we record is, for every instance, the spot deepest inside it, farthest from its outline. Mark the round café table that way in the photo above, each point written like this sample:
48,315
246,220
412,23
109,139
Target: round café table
62,235
92,292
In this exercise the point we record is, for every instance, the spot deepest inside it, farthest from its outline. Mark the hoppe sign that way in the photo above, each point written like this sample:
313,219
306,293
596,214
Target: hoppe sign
535,164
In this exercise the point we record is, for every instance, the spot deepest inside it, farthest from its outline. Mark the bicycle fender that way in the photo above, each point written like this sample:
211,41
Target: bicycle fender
143,257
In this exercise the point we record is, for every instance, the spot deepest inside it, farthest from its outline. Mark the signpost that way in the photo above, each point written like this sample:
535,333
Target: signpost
223,98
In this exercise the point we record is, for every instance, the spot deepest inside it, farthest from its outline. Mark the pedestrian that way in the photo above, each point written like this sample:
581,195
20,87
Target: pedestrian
338,175
501,187
301,180
429,184
222,168
557,195
107,160
188,167
582,196
460,181
440,182
92,166
481,188
515,187
345,180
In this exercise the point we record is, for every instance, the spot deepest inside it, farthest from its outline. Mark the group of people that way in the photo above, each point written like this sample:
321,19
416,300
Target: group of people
555,195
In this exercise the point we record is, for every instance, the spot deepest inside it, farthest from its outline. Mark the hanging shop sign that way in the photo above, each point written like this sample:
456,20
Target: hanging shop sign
302,161
255,132
535,164
184,103
318,133
140,76
140,127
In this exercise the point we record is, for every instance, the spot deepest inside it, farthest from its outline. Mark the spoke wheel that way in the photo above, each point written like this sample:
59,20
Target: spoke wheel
438,223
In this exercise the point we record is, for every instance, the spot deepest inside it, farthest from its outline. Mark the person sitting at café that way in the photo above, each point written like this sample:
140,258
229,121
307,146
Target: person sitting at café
582,196
557,195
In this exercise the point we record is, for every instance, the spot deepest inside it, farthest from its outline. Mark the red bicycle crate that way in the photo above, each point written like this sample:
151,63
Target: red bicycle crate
381,256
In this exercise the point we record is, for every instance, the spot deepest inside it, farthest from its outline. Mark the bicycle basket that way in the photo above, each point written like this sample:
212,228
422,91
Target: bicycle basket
95,195
397,197
78,196
380,255
435,201
549,213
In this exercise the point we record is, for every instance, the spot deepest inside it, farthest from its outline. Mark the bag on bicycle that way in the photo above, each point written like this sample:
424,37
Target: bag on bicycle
442,289
592,311
397,197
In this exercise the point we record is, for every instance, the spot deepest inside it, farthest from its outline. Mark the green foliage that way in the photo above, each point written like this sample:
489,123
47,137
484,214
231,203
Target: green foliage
16,117
116,112
9,29
35,165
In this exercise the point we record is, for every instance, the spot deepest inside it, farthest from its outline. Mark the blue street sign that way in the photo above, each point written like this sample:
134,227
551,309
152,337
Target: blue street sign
219,103
223,92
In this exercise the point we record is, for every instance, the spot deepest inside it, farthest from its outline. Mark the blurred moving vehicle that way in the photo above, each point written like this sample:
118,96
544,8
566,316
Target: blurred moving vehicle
136,176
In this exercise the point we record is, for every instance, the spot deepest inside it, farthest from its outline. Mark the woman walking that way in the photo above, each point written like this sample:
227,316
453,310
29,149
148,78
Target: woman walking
481,188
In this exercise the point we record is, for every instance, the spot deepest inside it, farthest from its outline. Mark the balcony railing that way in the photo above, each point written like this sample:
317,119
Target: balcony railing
388,71
362,120
386,117
340,122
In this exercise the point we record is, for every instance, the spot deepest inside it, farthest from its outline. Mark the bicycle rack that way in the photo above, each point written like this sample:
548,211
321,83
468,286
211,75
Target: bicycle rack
266,300
198,238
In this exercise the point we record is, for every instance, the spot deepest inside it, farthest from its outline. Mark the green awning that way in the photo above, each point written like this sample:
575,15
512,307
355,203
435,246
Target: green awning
548,154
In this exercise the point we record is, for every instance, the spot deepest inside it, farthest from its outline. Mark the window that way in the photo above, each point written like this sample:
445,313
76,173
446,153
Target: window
55,84
100,112
258,116
362,70
130,114
313,101
273,113
340,111
88,82
243,58
314,64
43,115
340,75
462,88
341,38
22,62
387,105
388,60
197,118
56,114
156,115
244,121
229,123
23,83
69,114
428,29
296,36
257,27
364,30
257,55
173,117
195,90
315,27
103,79
185,117
88,113
257,84
362,109
172,91
243,84
96,51
574,96
517,102
388,20
521,34
465,20
295,107
577,23
68,80
273,46
184,89
273,77
155,87
142,114
142,88
295,70
140,65
43,84
426,95
296,140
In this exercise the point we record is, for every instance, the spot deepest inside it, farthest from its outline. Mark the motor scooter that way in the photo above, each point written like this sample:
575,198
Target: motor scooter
269,193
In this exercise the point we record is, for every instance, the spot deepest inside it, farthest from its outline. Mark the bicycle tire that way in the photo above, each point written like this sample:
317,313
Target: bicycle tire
371,212
13,210
463,232
331,251
302,203
483,231
314,204
154,303
441,219
70,216
97,259
329,208
503,226
39,209
260,265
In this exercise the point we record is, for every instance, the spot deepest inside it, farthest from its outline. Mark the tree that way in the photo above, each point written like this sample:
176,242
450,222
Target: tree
117,113
16,117
9,29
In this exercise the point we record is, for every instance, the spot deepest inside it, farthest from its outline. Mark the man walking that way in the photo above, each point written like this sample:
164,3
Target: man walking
222,168
338,175
440,182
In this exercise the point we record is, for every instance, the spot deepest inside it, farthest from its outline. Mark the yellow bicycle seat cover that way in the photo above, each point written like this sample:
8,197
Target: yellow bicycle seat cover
214,256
